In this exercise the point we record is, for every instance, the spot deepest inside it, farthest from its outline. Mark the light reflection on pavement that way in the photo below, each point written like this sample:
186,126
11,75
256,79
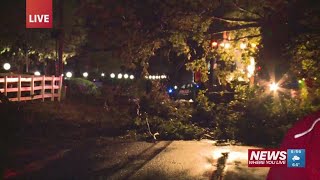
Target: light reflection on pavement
198,160
110,159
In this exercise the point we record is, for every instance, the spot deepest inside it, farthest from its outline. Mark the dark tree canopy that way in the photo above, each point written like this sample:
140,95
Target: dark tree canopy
130,32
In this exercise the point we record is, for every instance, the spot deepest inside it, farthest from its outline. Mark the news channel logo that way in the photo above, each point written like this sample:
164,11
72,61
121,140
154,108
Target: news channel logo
290,158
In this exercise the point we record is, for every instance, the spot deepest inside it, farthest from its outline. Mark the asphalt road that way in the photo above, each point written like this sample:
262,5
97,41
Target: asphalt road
106,158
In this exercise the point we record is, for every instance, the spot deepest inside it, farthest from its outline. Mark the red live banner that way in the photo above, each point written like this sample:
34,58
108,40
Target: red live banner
39,14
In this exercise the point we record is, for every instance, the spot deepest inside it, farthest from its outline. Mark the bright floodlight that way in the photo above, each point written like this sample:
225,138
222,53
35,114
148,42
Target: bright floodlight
274,87
131,76
243,45
227,45
6,66
37,73
112,75
85,74
102,74
69,74
251,67
126,76
119,76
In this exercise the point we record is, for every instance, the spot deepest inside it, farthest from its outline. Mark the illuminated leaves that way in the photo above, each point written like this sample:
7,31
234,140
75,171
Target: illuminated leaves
305,56
178,41
203,101
199,65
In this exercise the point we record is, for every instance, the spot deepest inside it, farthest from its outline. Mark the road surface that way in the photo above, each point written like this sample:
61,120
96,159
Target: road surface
106,158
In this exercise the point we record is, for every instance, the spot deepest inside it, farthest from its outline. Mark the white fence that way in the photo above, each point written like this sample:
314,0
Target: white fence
28,87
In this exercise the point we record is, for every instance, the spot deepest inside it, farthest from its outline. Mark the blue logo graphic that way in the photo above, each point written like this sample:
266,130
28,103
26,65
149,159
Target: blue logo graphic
296,158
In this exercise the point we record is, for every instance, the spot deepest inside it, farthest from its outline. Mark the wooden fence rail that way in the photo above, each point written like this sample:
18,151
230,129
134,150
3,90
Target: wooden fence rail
27,87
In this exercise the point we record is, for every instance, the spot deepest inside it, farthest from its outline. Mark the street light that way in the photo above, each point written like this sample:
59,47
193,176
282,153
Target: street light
102,75
126,76
85,74
131,76
112,75
69,74
6,66
214,44
274,87
37,73
119,76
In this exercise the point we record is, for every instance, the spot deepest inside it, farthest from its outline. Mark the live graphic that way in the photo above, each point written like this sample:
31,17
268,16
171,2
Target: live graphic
38,13
292,158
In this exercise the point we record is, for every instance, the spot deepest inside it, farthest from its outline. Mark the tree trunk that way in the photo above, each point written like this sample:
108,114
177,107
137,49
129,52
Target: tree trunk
60,40
211,75
27,61
274,39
